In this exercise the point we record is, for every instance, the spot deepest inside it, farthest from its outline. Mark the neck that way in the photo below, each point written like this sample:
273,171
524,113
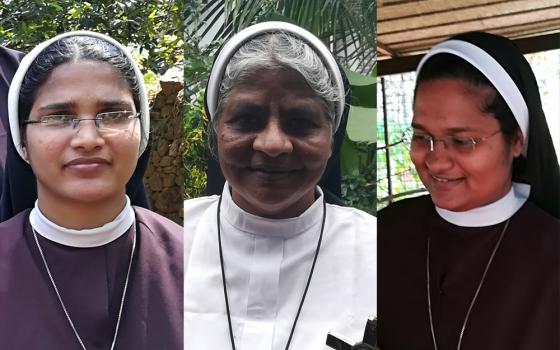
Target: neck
80,215
276,210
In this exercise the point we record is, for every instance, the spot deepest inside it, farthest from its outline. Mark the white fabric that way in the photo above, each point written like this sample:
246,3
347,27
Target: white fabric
267,263
491,214
495,73
86,238
233,44
15,87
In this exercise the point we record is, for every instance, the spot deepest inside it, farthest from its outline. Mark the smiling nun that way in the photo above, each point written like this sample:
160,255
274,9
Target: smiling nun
270,265
476,264
84,269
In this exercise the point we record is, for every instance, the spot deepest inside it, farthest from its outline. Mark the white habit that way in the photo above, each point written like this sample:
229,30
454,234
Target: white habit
267,263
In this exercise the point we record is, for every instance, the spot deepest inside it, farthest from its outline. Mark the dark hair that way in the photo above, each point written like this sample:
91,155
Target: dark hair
73,49
448,66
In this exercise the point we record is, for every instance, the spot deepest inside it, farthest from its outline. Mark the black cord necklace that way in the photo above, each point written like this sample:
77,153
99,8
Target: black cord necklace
306,286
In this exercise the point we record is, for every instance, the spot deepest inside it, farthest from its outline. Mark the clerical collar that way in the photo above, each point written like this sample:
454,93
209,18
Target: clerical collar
280,228
87,238
491,214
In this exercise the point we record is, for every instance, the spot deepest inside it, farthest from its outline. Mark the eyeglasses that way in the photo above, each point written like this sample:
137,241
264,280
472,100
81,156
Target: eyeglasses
117,120
456,144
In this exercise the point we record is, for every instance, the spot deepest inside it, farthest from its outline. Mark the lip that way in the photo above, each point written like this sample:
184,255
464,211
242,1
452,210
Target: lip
87,163
272,172
441,182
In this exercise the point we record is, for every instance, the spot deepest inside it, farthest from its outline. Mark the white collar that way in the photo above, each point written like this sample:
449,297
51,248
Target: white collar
280,228
87,238
491,214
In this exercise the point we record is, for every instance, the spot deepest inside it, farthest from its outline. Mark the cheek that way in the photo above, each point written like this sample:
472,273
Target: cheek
418,160
232,145
42,149
314,153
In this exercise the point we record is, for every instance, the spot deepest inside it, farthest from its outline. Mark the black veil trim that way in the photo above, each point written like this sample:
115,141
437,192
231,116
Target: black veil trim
540,168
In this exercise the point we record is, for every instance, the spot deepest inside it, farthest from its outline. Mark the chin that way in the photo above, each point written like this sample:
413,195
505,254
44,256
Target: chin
450,204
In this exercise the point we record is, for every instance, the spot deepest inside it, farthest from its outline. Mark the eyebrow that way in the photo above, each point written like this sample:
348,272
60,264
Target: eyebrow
113,103
57,105
248,107
454,130
65,105
300,111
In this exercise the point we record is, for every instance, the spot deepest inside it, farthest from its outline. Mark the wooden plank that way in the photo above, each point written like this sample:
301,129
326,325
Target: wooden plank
427,6
525,45
462,15
514,32
385,49
485,25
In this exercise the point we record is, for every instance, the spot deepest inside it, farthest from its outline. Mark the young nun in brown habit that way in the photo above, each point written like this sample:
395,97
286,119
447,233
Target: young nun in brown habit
84,269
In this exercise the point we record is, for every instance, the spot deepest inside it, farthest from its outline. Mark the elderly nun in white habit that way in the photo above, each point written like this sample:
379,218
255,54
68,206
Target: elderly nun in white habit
269,264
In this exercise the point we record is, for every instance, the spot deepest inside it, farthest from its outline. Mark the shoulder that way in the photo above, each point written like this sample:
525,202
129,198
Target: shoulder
13,223
357,216
196,205
12,232
195,208
534,217
159,226
354,223
413,208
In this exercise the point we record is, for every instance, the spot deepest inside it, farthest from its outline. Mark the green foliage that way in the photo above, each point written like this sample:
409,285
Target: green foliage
358,188
346,26
153,27
196,147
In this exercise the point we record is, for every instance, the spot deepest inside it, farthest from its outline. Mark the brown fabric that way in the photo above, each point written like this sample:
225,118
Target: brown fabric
91,282
518,306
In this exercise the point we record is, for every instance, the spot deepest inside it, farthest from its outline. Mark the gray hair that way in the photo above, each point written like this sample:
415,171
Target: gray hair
273,51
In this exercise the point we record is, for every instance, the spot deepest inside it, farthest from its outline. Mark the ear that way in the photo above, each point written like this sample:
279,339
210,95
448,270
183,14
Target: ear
517,144
24,151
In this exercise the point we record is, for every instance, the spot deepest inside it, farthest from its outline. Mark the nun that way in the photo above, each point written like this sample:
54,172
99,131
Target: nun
476,263
83,268
269,264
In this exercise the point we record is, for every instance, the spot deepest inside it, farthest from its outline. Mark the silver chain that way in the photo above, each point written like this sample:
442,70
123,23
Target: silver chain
62,303
475,296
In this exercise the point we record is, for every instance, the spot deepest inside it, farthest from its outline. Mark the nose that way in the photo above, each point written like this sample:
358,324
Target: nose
438,159
272,140
86,136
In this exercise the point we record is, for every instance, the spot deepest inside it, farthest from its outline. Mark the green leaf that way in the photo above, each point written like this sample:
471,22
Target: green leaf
361,124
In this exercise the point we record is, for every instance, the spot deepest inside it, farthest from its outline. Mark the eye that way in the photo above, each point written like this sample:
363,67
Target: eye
300,126
57,120
462,143
246,122
115,117
419,138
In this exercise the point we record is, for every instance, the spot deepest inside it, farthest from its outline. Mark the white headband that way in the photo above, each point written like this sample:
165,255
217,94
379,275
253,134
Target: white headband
494,72
233,44
15,86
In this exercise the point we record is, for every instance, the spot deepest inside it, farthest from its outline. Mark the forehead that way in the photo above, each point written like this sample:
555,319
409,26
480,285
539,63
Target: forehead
452,103
274,80
83,80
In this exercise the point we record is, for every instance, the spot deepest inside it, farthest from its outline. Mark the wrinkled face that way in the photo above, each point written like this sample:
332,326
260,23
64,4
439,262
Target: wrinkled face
274,140
82,164
461,181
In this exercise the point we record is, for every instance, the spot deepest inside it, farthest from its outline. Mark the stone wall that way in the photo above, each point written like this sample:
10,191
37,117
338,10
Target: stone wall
164,178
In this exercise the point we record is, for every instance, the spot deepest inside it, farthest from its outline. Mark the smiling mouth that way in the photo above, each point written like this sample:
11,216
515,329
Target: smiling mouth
272,174
445,180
